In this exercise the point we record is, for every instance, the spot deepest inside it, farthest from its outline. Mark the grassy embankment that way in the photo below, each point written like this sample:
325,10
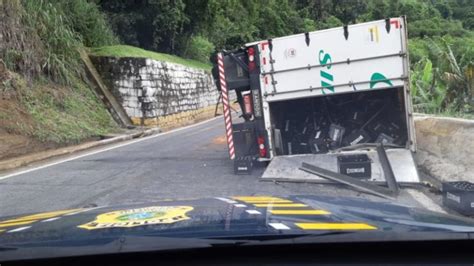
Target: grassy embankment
46,99
46,95
131,51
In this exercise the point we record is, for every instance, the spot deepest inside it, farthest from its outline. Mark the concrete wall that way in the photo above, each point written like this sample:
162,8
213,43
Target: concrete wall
445,147
158,93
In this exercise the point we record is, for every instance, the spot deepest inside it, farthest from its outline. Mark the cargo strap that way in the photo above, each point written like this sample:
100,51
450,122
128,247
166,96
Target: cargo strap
226,106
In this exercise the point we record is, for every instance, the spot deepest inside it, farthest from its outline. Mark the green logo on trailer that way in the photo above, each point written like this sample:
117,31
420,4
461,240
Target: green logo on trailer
327,78
379,78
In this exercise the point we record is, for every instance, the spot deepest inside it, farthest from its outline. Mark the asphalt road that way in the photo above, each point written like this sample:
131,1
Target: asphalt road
188,163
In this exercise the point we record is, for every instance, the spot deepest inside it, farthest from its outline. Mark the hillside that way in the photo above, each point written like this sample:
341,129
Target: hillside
46,100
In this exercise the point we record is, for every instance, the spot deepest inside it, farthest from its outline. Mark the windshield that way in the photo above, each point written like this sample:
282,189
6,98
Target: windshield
234,119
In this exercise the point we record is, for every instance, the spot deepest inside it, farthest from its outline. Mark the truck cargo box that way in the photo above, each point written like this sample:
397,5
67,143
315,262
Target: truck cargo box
350,81
318,92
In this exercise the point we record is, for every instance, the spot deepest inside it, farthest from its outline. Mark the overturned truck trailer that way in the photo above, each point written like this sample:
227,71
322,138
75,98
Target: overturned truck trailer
307,96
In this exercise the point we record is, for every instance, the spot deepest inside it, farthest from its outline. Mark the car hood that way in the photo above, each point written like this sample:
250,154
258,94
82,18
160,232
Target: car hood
164,224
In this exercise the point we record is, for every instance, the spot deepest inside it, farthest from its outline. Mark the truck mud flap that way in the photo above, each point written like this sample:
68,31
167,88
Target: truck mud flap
286,168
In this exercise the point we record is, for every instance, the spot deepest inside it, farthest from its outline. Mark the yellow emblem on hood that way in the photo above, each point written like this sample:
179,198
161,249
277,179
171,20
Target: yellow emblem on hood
139,217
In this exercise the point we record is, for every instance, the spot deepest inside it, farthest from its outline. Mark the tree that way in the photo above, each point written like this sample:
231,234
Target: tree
456,73
150,24
427,93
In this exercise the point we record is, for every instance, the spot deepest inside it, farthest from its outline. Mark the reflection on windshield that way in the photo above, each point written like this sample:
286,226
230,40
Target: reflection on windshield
126,120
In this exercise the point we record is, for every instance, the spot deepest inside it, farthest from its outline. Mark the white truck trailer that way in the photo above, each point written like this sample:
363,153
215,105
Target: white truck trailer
308,96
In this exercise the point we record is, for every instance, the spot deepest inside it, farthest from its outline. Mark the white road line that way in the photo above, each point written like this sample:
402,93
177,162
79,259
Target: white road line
240,205
253,212
50,219
18,229
279,226
107,149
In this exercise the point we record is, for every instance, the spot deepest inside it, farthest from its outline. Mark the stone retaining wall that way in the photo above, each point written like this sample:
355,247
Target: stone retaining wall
445,147
151,90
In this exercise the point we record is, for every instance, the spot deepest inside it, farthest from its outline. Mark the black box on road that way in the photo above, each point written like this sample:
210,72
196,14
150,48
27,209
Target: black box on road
354,165
459,196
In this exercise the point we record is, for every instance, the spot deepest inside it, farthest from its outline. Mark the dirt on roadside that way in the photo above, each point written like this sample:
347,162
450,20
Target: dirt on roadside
16,127
16,124
13,145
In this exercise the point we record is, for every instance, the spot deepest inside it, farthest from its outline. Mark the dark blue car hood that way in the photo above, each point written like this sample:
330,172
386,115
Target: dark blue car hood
173,223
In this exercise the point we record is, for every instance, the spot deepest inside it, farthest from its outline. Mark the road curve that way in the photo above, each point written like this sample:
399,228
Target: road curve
187,163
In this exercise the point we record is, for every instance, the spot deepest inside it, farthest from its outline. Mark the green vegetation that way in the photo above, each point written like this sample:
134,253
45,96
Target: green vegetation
199,48
64,27
50,89
443,75
167,26
428,95
441,34
60,60
130,51
65,115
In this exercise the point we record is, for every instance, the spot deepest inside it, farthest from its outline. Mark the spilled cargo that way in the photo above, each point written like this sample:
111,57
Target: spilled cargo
322,124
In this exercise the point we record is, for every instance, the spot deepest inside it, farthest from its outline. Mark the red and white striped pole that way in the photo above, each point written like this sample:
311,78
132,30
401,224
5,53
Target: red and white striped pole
226,106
